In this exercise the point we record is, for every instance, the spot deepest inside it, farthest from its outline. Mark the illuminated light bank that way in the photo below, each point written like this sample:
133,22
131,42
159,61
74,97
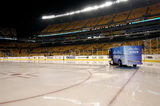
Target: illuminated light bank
106,4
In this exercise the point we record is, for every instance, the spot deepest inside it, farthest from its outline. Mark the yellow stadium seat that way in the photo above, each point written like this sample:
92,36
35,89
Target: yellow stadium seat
138,13
122,16
154,9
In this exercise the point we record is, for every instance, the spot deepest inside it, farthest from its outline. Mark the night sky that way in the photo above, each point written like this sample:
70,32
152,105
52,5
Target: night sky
25,15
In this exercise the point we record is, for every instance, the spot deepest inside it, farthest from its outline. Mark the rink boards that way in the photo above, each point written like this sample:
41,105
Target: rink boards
145,58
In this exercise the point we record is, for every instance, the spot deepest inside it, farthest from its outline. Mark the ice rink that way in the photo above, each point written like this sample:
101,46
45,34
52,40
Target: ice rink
53,84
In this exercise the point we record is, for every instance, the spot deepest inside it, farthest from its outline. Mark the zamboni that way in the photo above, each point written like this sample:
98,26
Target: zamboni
126,55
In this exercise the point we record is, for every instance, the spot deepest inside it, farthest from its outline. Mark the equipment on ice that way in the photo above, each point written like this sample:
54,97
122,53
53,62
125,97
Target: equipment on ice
126,55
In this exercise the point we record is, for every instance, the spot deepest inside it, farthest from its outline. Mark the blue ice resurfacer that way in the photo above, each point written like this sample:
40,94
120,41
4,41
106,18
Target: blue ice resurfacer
126,55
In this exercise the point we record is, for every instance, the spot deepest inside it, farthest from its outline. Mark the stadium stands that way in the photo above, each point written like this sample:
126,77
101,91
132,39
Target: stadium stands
154,9
122,16
72,25
93,22
105,20
82,23
138,13
150,46
151,11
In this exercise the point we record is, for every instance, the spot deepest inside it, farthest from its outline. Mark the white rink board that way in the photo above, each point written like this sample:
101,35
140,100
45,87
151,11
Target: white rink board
63,59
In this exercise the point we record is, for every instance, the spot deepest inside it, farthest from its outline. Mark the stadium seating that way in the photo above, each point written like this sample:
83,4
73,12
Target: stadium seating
93,22
56,27
72,25
138,13
114,19
82,23
2,53
154,9
106,19
150,46
122,16
19,45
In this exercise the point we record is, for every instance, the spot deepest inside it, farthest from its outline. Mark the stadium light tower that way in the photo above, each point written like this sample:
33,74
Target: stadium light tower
106,4
121,1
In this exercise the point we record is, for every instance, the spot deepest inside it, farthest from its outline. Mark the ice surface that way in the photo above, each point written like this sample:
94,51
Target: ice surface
78,84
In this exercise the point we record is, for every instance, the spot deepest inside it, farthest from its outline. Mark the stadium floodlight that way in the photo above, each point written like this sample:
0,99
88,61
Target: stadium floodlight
106,4
123,0
118,1
88,9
